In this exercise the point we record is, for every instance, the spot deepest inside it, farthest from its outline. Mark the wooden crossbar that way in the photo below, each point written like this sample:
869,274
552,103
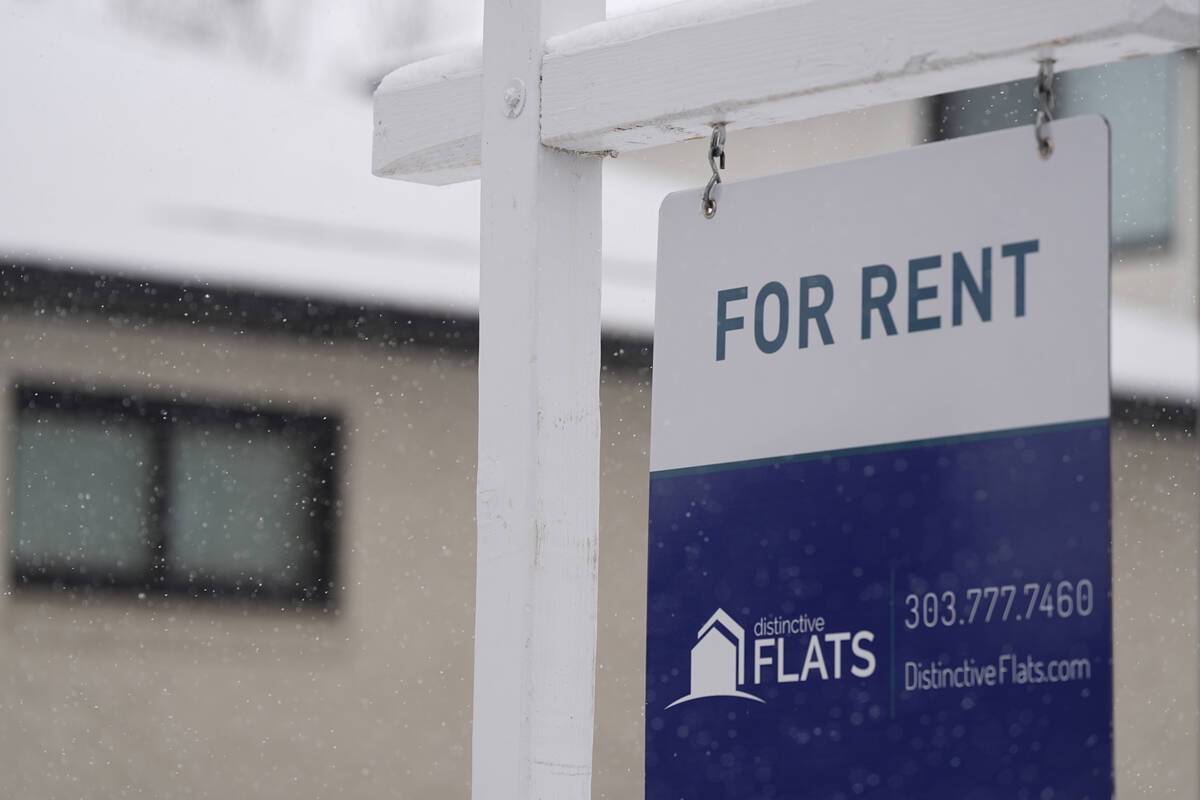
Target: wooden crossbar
667,75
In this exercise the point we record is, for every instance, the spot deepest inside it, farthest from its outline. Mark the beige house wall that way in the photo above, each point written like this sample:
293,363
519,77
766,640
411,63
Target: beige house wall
115,697
191,699
1156,613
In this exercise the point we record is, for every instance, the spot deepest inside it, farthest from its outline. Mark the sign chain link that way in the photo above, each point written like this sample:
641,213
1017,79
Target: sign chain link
1043,90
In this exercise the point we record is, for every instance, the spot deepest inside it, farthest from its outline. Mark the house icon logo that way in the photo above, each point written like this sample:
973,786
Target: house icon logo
718,660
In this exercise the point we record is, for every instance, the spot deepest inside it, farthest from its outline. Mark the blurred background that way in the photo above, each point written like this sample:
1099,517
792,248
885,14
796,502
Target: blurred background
237,430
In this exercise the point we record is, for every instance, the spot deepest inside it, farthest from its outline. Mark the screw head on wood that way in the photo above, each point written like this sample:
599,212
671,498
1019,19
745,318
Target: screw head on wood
514,98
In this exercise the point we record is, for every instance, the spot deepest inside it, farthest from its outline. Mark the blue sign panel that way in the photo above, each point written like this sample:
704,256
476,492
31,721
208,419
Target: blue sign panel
879,547
927,619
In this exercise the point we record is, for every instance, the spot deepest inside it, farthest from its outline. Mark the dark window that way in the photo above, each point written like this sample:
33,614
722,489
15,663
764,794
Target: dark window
172,498
1137,98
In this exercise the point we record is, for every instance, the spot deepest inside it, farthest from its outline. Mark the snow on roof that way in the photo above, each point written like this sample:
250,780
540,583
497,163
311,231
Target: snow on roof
129,156
125,155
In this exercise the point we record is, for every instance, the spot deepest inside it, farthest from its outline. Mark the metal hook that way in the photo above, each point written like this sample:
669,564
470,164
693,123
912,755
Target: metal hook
1043,90
716,153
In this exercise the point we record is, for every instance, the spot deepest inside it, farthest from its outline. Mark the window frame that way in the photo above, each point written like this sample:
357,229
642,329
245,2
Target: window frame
164,417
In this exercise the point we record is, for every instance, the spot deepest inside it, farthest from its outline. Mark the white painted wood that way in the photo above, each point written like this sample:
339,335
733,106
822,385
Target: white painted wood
539,430
626,84
428,131
664,76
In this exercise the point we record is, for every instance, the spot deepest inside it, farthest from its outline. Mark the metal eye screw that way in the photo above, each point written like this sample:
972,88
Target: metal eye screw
716,153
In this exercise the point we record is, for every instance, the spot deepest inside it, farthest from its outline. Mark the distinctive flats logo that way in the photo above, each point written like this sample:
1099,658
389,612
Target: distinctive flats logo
719,655
718,660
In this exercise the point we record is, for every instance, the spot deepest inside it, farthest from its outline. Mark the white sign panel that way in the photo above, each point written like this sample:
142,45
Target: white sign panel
879,493
877,263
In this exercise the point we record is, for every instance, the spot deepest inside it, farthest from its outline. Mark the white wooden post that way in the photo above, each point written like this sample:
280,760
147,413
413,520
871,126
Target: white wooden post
539,427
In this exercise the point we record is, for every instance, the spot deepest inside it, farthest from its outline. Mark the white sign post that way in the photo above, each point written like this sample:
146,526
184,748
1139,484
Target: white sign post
551,92
539,428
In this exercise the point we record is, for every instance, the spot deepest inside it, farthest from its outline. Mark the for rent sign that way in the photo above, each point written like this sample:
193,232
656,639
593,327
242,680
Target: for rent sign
879,514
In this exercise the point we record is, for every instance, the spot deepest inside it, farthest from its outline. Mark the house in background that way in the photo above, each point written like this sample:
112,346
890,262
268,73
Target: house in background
238,419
